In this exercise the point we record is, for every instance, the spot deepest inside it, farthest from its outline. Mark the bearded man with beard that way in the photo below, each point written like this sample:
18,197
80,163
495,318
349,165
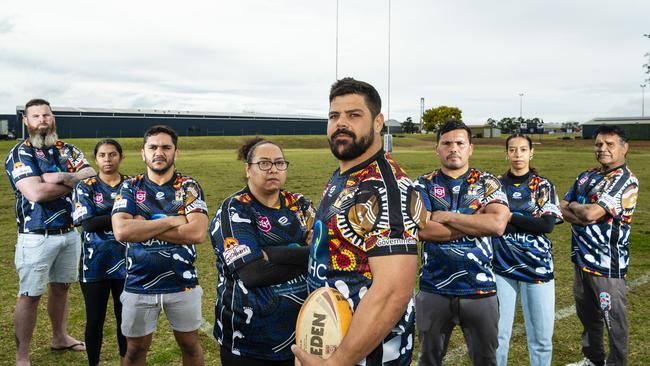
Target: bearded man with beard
160,215
366,233
43,171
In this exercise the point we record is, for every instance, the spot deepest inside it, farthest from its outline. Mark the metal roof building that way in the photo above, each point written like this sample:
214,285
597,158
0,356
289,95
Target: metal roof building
637,128
103,122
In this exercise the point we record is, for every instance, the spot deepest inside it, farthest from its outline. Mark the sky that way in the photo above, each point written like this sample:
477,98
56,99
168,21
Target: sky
571,60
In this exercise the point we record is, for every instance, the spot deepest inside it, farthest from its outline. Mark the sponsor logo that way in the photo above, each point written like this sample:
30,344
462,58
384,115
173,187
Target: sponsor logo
140,196
264,224
79,211
197,205
385,242
438,192
160,195
456,189
21,169
317,329
236,218
516,195
119,202
40,154
583,180
99,198
233,250
178,196
113,195
284,221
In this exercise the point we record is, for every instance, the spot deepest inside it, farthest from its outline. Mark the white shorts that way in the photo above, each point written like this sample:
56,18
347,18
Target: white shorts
140,312
41,259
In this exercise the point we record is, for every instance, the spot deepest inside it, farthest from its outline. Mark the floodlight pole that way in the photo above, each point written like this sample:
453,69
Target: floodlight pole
388,139
643,100
336,62
521,105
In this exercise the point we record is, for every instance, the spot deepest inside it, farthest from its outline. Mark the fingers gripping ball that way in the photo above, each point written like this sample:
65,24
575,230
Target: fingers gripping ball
323,321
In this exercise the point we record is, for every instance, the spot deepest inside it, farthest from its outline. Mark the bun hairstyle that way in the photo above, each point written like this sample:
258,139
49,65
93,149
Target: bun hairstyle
246,152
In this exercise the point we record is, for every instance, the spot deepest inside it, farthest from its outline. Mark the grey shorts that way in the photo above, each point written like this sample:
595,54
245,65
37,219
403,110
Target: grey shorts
41,259
140,312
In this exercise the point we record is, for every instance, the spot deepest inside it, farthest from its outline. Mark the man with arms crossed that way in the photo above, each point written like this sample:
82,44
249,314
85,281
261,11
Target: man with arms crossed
600,205
457,285
43,170
161,214
372,214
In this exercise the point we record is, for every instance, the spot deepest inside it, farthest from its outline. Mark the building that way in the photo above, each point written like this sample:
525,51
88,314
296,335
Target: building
100,123
637,128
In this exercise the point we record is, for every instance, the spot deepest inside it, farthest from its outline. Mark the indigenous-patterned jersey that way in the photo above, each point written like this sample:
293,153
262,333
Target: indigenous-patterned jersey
23,161
102,257
370,210
459,267
156,266
524,256
258,322
602,248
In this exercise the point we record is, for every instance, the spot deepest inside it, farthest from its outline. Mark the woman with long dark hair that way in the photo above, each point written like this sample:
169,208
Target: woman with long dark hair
260,237
102,266
523,262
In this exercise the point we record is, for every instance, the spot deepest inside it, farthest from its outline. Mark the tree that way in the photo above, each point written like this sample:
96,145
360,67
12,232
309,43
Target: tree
434,117
408,126
510,124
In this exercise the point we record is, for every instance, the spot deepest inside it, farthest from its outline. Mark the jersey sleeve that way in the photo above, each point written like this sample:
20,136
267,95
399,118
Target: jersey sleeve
620,195
306,212
21,164
125,200
379,215
493,191
548,202
422,186
234,235
194,201
571,194
84,204
76,160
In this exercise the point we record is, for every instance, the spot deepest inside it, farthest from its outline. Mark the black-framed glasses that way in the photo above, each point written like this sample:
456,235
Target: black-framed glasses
267,164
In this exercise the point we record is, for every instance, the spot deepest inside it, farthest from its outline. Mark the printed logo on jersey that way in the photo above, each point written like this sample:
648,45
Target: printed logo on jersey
178,196
233,250
516,195
40,154
438,191
79,211
141,196
264,224
21,169
119,202
583,180
284,221
456,189
99,198
113,195
160,195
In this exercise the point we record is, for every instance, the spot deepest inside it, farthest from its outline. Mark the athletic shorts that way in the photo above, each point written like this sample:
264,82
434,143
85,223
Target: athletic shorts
140,312
41,259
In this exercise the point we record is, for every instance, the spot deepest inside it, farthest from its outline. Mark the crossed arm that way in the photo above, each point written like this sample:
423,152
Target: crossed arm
581,214
378,312
50,186
181,230
447,226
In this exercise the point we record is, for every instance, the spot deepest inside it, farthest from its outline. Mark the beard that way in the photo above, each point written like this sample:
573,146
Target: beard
353,149
162,170
43,137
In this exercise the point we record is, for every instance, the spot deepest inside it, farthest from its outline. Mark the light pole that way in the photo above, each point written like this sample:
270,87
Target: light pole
643,99
521,104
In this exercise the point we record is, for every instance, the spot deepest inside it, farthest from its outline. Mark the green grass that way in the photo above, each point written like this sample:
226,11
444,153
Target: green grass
211,160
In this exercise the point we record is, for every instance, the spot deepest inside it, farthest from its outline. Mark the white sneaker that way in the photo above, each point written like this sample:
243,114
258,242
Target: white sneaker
585,362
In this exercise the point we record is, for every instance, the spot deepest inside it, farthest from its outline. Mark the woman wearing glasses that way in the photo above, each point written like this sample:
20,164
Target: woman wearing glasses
259,235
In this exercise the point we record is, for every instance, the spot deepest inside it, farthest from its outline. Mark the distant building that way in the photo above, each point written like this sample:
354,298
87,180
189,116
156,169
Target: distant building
637,128
100,122
394,125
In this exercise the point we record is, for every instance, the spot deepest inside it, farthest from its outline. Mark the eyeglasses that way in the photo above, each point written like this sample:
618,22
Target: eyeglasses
266,165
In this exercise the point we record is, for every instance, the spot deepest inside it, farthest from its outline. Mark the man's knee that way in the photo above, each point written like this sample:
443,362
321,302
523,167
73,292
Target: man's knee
189,343
136,350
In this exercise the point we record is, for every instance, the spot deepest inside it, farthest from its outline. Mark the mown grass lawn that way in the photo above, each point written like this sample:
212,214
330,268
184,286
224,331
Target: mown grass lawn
211,160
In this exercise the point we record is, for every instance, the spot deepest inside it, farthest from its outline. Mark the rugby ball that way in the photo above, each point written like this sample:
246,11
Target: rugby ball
323,321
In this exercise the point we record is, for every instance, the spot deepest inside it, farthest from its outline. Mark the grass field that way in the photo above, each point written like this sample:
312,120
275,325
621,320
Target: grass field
211,160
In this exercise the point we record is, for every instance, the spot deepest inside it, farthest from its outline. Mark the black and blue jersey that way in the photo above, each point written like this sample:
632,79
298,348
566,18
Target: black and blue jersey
102,257
602,248
257,322
25,160
525,256
460,267
156,266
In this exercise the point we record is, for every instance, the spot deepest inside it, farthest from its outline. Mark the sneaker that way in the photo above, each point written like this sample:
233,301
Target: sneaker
585,362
